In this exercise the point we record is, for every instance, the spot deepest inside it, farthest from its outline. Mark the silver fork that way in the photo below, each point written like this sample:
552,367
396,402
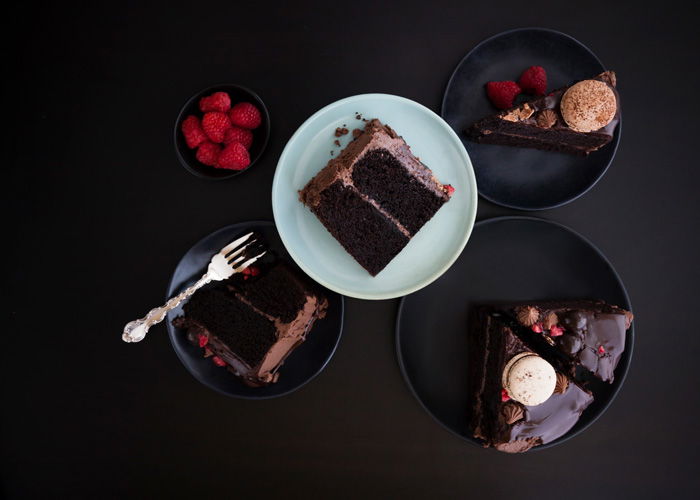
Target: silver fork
228,261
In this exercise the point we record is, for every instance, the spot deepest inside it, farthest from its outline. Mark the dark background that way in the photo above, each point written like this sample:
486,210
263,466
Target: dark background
100,211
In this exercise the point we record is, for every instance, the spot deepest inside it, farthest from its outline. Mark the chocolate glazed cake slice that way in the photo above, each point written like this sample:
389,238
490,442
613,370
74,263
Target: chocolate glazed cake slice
577,119
585,333
252,322
375,196
517,399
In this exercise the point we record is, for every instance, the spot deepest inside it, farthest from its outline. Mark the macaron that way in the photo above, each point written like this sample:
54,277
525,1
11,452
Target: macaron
588,105
529,379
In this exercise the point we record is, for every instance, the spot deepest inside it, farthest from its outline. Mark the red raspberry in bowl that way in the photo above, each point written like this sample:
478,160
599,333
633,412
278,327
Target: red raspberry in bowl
215,125
234,156
192,130
238,134
218,101
208,153
245,115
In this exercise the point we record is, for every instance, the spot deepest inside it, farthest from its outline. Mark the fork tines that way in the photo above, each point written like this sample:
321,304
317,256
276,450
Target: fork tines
243,252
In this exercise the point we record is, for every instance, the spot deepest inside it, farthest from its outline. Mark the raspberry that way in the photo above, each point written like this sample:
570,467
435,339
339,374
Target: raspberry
234,156
215,125
245,115
502,94
193,132
534,80
449,189
238,134
601,350
208,153
537,328
203,339
218,101
556,331
504,395
218,361
251,271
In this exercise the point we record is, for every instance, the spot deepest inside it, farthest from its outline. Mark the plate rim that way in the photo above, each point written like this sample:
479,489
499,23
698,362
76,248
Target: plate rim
171,328
621,376
617,136
471,176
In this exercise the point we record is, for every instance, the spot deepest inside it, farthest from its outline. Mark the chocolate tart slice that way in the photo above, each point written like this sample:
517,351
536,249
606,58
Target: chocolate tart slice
581,333
375,196
251,322
577,119
517,399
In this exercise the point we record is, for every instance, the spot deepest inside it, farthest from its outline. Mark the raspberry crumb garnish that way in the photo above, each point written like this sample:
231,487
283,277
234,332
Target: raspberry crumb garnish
537,328
449,189
534,80
502,94
601,350
504,395
203,339
218,101
245,115
556,331
218,361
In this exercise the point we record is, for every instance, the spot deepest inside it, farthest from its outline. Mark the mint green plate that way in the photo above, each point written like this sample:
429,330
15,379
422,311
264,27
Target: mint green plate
429,253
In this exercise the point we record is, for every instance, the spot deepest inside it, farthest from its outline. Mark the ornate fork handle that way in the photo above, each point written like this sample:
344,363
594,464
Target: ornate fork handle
136,330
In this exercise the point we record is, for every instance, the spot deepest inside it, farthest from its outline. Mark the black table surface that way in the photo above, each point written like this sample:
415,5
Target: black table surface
100,212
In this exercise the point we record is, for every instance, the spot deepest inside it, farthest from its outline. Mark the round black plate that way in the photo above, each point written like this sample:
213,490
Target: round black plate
526,179
507,259
304,364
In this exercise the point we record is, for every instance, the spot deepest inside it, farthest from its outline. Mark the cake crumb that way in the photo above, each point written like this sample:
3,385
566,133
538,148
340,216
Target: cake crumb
358,116
356,133
340,131
336,142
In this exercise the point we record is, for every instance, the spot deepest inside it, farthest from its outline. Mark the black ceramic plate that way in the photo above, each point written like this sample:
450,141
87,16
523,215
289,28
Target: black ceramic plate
507,259
526,179
302,365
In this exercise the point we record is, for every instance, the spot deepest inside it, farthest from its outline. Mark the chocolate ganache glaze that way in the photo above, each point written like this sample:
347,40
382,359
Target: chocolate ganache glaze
496,418
585,333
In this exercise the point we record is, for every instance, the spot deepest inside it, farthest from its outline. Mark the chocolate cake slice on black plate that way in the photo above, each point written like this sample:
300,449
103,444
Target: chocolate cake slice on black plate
525,388
375,196
518,399
577,119
252,321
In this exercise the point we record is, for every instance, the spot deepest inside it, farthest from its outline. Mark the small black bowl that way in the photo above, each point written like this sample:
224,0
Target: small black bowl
260,135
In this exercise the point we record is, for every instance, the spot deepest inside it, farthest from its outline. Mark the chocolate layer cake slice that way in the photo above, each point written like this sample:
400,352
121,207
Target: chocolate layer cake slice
517,399
585,333
375,196
577,119
251,322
